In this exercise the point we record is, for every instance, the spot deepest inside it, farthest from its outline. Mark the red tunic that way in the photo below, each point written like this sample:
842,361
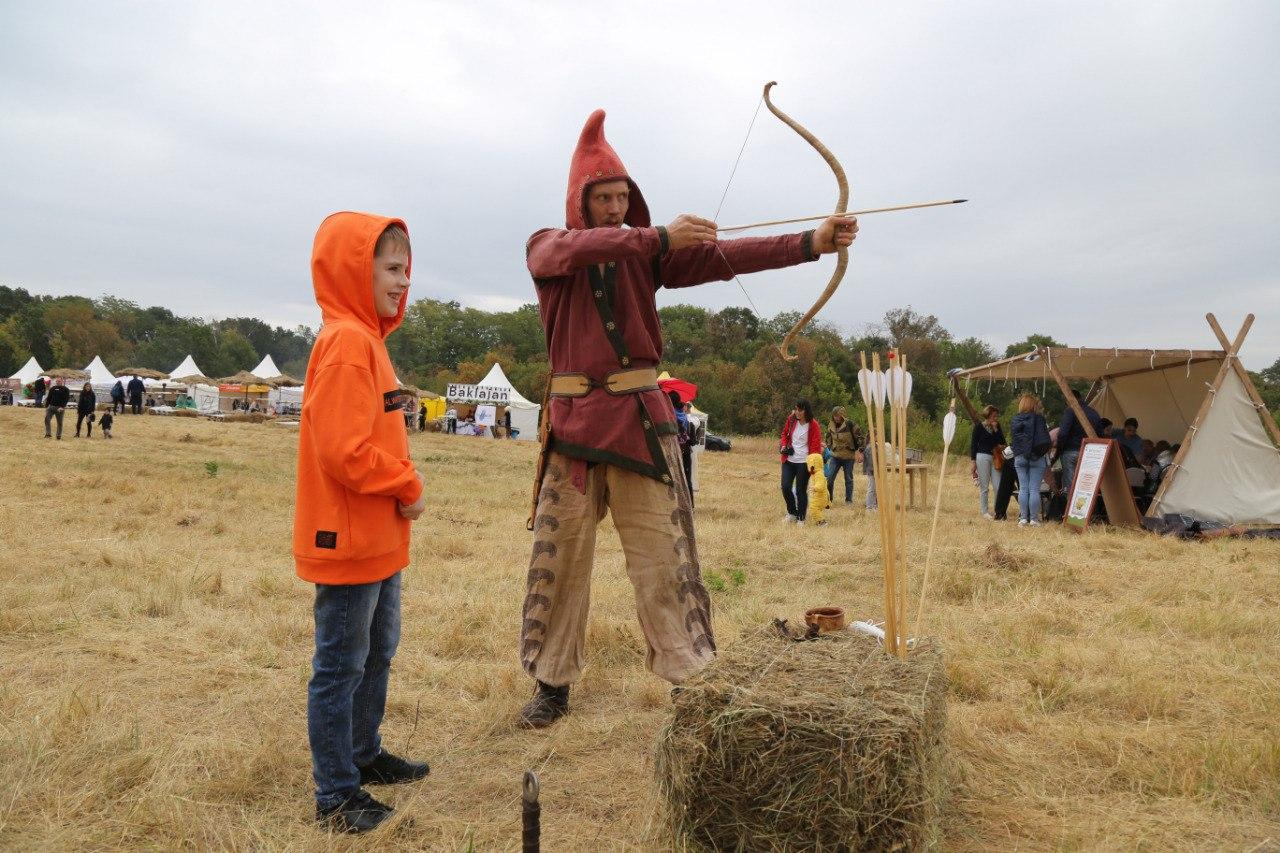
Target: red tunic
602,427
577,300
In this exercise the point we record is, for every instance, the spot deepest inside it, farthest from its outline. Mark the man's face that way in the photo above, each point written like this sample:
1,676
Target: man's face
607,204
390,280
838,418
1130,431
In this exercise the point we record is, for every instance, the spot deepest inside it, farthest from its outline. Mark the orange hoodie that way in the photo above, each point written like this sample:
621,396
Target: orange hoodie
353,451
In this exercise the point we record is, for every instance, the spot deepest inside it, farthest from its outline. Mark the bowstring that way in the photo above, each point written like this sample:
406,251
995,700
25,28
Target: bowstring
725,195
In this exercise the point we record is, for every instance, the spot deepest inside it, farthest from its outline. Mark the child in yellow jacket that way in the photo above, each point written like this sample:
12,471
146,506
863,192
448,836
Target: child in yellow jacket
357,492
819,500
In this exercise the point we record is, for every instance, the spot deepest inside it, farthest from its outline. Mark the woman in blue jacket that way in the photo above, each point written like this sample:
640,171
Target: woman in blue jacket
1029,438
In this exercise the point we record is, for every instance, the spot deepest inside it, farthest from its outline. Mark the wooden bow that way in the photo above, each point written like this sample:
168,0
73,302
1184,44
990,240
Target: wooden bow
842,204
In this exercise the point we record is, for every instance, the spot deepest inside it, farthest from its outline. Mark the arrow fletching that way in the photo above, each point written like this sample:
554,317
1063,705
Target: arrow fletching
878,388
948,427
864,385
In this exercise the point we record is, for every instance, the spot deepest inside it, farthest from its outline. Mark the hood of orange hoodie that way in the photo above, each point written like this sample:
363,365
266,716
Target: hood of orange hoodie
595,161
342,270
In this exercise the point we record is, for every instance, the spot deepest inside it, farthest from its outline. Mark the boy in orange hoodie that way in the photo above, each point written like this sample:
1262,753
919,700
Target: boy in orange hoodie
357,493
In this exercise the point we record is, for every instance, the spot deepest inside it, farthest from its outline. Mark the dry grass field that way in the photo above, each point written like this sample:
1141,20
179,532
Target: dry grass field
1108,691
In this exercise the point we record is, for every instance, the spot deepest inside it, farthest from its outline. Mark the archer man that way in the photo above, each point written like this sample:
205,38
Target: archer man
611,443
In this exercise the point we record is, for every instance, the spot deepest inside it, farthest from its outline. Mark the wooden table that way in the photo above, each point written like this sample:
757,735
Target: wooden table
913,469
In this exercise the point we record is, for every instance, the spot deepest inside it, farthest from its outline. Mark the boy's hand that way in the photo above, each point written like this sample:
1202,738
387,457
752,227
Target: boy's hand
417,508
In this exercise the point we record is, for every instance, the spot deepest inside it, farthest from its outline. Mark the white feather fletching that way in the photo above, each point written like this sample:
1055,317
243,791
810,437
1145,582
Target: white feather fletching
895,386
906,389
878,387
864,385
948,427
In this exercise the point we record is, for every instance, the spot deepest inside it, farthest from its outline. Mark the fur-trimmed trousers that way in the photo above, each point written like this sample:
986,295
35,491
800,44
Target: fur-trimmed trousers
655,524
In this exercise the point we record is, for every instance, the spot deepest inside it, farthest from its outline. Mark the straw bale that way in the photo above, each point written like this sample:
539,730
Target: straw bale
830,744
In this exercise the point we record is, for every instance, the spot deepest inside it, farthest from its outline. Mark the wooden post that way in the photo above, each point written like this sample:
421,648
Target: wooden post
1205,405
1071,399
964,400
1244,378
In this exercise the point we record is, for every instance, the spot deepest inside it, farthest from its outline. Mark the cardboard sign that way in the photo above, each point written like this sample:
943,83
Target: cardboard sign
487,415
1099,469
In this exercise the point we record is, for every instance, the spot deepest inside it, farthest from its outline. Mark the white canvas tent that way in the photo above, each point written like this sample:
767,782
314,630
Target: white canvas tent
187,368
266,368
29,372
100,378
1228,467
524,414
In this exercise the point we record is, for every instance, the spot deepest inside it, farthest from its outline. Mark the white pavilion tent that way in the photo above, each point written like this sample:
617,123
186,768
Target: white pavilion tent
100,377
524,414
266,368
187,368
29,372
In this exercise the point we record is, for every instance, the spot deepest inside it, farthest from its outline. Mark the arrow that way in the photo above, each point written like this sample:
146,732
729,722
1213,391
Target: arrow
850,213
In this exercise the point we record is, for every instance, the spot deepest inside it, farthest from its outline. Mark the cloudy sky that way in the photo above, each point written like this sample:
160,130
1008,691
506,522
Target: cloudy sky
1122,159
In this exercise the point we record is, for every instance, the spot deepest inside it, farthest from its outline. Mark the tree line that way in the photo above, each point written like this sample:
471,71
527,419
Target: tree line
731,354
68,331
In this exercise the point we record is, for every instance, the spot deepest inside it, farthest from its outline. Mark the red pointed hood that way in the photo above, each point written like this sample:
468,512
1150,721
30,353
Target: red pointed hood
595,161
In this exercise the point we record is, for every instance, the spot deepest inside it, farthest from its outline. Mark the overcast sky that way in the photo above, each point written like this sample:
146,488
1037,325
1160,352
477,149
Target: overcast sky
1122,159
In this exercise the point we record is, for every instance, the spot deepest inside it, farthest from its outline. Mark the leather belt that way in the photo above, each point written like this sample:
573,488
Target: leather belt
618,383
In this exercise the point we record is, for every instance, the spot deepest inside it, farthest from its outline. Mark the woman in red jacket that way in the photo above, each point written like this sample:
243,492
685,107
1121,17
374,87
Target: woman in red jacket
800,436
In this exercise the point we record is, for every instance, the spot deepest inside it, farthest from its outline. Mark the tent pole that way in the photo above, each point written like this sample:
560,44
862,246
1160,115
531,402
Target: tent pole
1071,400
1205,405
1272,427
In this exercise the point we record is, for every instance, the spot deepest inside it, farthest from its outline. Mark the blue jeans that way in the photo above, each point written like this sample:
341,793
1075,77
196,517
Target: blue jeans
834,467
795,488
1069,458
357,631
1030,474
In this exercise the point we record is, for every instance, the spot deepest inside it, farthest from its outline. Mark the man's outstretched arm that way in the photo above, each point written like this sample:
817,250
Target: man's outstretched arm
720,261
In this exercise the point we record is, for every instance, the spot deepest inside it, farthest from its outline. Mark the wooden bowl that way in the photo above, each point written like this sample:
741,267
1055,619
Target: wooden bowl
825,618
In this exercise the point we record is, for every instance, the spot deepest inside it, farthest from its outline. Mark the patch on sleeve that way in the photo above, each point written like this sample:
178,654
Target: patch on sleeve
327,539
393,400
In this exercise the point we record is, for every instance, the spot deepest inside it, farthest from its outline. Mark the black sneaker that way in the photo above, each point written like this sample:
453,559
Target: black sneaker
356,814
547,705
388,769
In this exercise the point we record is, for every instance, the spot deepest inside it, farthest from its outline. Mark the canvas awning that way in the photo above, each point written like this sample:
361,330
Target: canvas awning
1087,363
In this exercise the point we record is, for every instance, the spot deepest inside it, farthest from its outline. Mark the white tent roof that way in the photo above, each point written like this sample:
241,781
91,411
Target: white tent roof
98,372
29,372
266,368
187,368
497,379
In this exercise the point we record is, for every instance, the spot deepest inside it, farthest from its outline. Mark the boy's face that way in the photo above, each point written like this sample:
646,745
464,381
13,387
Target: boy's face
607,204
390,280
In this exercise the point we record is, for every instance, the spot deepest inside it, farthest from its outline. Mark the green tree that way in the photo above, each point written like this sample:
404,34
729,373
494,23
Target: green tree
77,335
234,354
11,352
684,333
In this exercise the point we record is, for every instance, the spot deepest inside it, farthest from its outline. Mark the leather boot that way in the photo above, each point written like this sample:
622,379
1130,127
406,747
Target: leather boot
547,705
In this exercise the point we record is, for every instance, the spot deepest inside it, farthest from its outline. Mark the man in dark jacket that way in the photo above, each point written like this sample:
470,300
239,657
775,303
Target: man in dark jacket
117,397
135,395
55,407
39,387
844,440
1070,434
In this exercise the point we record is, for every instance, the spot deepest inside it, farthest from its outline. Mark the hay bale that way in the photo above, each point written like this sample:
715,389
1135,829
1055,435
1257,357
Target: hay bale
823,745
